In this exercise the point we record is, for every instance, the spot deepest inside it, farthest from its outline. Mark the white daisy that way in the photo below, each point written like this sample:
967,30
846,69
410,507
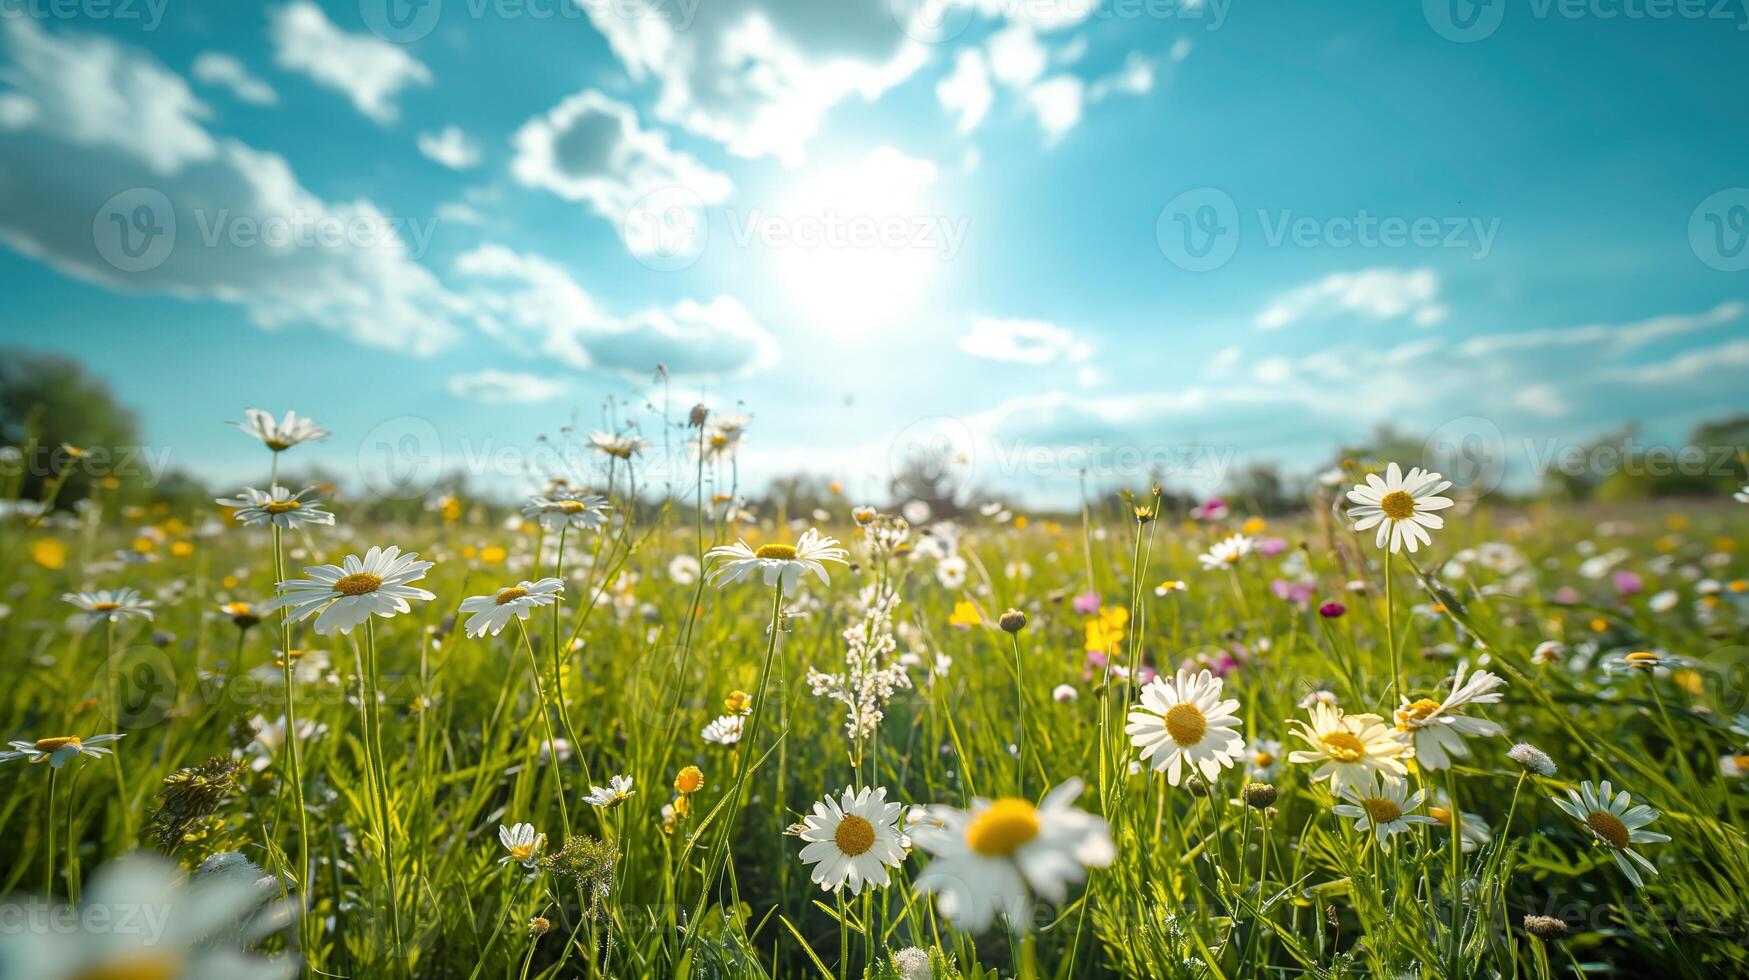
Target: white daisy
951,572
1614,823
1262,758
1351,748
1742,496
996,856
280,507
776,561
1734,766
111,604
349,593
523,844
683,569
1225,553
1182,722
1382,805
617,791
269,739
491,613
56,751
561,509
723,730
1437,729
1473,831
1400,506
282,435
617,446
853,839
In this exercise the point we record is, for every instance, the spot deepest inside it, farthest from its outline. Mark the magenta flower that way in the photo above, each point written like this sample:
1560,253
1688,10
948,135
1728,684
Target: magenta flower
1294,592
1270,547
1332,610
1627,583
1087,603
1212,509
1566,595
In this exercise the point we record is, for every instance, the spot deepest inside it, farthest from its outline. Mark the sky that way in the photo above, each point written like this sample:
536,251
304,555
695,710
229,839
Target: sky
1120,235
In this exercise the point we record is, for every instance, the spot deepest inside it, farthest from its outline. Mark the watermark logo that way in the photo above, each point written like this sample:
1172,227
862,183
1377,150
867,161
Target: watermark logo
1198,230
1464,21
135,230
400,21
931,459
1470,451
1718,230
401,458
666,229
931,21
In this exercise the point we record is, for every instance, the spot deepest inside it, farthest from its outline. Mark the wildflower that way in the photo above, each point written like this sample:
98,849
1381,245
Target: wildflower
1734,766
1742,496
683,569
1183,722
56,751
1533,759
1106,630
1064,693
241,614
1212,509
523,844
617,791
1400,506
1644,660
1437,728
994,857
853,839
282,435
864,516
563,509
1332,610
1548,652
1259,796
965,615
538,925
1351,748
1545,927
110,604
1383,805
951,572
1262,756
617,446
586,863
871,675
1086,604
346,595
1614,823
777,563
1473,831
688,781
1225,553
270,738
912,963
1012,621
491,613
279,507
723,730
1168,587
188,796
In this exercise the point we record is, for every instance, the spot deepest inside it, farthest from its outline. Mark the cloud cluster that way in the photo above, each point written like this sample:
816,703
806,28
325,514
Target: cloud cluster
366,69
1377,294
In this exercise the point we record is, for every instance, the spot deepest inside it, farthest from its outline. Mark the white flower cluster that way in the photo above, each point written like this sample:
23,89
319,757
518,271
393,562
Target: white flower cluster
871,674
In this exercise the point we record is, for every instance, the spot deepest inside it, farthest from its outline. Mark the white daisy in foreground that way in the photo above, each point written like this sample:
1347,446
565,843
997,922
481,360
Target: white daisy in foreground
111,604
617,791
1183,723
1437,729
280,507
776,562
853,839
1615,824
523,844
491,613
617,446
282,435
559,510
1382,805
56,751
347,594
996,856
1401,506
144,917
1351,748
723,730
1225,553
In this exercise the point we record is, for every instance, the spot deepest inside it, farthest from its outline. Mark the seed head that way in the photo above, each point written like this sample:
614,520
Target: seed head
1259,796
1545,926
1012,621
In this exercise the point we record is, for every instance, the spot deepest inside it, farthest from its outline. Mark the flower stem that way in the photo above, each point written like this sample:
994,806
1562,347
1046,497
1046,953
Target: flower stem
293,759
547,724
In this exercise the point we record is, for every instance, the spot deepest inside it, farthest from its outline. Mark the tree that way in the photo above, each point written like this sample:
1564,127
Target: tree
47,401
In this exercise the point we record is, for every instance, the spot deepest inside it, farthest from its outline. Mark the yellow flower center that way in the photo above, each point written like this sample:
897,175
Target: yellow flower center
854,835
781,552
1609,827
105,606
1397,505
1642,660
511,594
1381,810
281,506
1441,815
1344,746
1003,827
56,744
141,966
1416,713
522,852
1742,762
278,445
570,506
359,583
689,780
1185,724
1263,760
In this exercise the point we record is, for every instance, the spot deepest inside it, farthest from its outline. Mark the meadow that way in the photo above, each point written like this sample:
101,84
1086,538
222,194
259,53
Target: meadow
608,733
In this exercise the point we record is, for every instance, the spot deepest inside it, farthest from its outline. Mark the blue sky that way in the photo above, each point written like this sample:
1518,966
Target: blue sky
864,222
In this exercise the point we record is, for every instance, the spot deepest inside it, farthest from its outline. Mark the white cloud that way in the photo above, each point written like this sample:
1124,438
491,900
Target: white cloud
1057,103
590,148
967,91
1224,360
1022,342
368,70
1017,58
104,119
1725,360
450,147
1379,294
215,68
529,299
1619,337
758,76
495,387
1136,77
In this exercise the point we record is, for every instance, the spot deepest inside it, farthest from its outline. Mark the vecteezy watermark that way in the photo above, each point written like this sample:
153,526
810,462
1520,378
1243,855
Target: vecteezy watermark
1718,230
143,463
149,13
300,228
833,229
135,230
939,21
666,229
1200,229
406,21
33,916
1467,21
